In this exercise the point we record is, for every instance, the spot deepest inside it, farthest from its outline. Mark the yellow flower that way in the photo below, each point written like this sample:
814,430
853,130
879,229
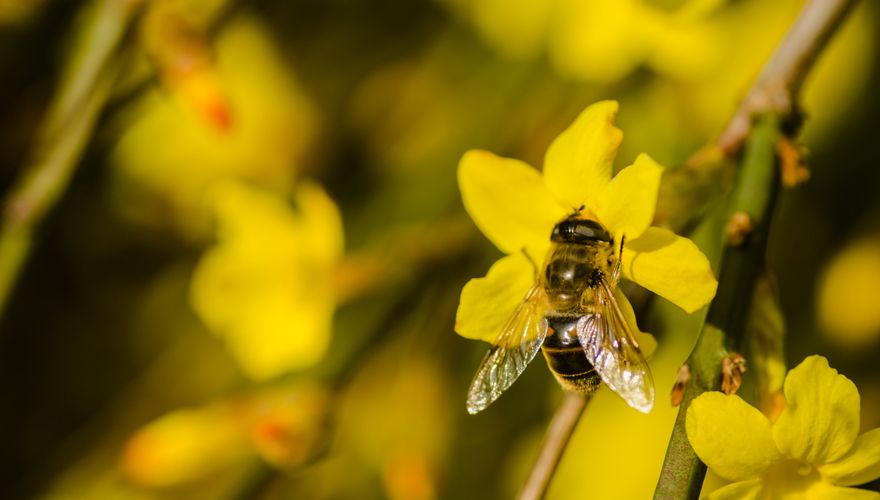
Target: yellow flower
282,425
813,450
516,207
601,41
267,286
169,155
847,298
184,445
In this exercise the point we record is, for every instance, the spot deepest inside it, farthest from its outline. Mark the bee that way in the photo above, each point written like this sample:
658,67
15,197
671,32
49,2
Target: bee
570,314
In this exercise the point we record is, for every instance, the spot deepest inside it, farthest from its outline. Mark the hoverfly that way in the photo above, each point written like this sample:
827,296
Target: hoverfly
572,316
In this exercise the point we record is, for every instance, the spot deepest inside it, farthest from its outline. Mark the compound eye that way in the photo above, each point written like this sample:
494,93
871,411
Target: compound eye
579,231
563,231
588,229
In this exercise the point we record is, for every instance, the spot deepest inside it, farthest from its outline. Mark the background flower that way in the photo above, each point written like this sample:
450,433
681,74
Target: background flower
267,287
241,115
847,310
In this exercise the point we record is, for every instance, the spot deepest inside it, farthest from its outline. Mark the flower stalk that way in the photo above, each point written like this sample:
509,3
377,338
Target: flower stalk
683,472
558,433
777,87
85,85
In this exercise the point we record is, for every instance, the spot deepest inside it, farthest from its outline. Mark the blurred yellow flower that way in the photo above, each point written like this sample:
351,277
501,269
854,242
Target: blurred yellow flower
169,153
605,41
267,286
516,207
850,286
175,39
283,426
516,28
393,417
286,424
813,450
701,56
601,41
182,446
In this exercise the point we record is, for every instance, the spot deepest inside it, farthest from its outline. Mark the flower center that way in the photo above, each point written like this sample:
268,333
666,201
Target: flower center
804,469
788,477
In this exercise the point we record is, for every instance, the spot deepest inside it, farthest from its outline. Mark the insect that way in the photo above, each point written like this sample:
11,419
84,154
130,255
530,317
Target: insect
571,315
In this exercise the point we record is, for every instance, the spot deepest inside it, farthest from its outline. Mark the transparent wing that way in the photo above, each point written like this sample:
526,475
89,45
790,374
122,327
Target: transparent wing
515,347
612,349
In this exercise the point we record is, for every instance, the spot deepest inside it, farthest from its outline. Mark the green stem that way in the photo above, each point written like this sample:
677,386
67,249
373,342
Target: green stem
755,196
683,472
64,133
773,101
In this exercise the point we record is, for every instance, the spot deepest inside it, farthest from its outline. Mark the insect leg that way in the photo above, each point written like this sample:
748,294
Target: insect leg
534,265
616,274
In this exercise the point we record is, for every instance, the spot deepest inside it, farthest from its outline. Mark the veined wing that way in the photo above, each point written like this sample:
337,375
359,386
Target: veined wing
515,347
612,349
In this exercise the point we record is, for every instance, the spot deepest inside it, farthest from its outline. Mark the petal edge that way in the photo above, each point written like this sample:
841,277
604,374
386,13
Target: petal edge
486,303
507,200
732,438
820,421
860,465
578,163
626,205
671,266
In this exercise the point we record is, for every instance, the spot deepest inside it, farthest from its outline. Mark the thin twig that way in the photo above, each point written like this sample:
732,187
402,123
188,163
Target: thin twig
777,87
773,97
558,433
64,132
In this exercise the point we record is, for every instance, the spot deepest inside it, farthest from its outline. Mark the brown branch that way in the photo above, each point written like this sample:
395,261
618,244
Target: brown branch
777,87
558,433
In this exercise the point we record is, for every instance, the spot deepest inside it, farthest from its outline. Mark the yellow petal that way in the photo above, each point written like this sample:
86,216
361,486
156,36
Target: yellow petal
279,335
860,465
487,303
265,288
626,205
742,490
847,302
597,41
820,421
729,436
321,223
508,201
825,491
670,266
184,446
578,164
171,152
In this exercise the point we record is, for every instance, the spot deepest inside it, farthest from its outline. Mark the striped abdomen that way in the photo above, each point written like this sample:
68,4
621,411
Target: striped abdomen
566,358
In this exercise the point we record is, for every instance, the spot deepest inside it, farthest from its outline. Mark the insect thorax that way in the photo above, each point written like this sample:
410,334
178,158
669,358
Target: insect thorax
572,268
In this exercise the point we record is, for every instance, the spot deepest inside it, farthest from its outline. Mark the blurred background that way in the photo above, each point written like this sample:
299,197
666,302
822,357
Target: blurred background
245,282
